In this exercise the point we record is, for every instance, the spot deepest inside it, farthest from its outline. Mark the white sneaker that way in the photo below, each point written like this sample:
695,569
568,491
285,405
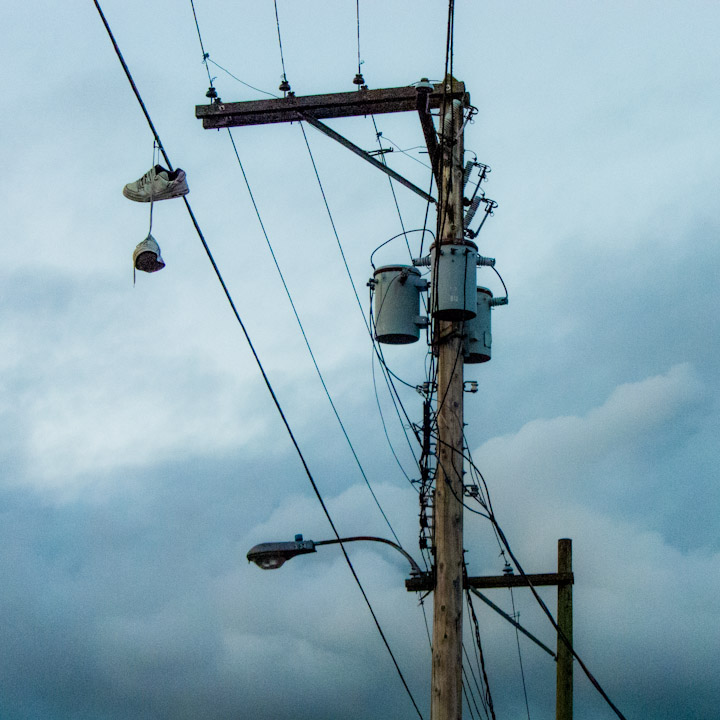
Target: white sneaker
146,256
157,184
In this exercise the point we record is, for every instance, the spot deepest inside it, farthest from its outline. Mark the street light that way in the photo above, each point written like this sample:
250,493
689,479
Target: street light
272,555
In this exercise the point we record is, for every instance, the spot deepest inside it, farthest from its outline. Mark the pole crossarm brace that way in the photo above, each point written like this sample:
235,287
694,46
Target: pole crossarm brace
512,621
365,156
424,584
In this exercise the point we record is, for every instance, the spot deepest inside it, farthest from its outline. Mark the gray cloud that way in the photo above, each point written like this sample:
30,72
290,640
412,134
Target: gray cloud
140,454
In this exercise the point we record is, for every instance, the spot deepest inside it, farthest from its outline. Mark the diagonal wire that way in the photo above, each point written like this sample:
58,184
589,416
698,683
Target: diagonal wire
357,7
391,385
517,639
334,228
488,696
561,635
378,135
257,359
206,56
475,680
242,82
282,57
307,341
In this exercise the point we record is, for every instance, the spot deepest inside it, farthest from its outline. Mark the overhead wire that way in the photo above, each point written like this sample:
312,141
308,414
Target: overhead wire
282,55
392,186
334,227
255,356
294,308
387,372
394,237
476,627
468,695
384,425
242,82
561,635
394,392
307,343
516,615
202,47
377,349
406,151
357,7
501,534
397,404
475,685
553,622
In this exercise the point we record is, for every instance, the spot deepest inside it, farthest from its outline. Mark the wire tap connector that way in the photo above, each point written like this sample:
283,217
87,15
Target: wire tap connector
427,388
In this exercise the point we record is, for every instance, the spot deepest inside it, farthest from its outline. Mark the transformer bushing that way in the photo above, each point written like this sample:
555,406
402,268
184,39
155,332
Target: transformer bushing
454,264
478,336
397,304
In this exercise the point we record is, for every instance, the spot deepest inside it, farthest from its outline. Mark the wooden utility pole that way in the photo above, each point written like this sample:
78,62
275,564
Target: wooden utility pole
446,156
447,161
446,699
564,692
564,580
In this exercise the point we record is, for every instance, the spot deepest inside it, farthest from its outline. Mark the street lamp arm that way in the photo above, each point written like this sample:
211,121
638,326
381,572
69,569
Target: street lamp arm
270,556
415,567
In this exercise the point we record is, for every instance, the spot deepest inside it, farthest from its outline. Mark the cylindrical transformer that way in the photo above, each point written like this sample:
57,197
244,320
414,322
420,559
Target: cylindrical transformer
397,304
478,337
454,264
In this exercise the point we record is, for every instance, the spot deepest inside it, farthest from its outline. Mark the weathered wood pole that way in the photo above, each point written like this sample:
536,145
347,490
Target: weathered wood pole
446,697
564,692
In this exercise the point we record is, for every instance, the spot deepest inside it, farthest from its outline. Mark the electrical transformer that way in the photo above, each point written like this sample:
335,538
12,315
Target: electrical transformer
478,337
397,304
454,279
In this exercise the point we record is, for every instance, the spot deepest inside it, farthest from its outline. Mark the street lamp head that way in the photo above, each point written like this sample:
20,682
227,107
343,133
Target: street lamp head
270,556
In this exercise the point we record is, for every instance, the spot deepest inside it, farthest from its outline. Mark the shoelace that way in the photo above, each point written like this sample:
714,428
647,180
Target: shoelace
146,178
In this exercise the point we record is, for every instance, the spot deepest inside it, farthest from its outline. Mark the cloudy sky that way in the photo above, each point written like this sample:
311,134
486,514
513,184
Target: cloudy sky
140,452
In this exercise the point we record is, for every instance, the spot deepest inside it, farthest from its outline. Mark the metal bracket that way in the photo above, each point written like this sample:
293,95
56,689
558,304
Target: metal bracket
364,155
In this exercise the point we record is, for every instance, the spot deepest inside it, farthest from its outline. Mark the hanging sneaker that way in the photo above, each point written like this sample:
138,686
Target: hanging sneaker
157,184
146,256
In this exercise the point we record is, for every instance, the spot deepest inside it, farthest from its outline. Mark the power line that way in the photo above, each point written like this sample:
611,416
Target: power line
384,162
292,303
282,56
378,351
476,683
391,385
307,341
384,425
257,358
202,47
506,545
242,82
334,228
516,615
488,696
560,633
357,6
